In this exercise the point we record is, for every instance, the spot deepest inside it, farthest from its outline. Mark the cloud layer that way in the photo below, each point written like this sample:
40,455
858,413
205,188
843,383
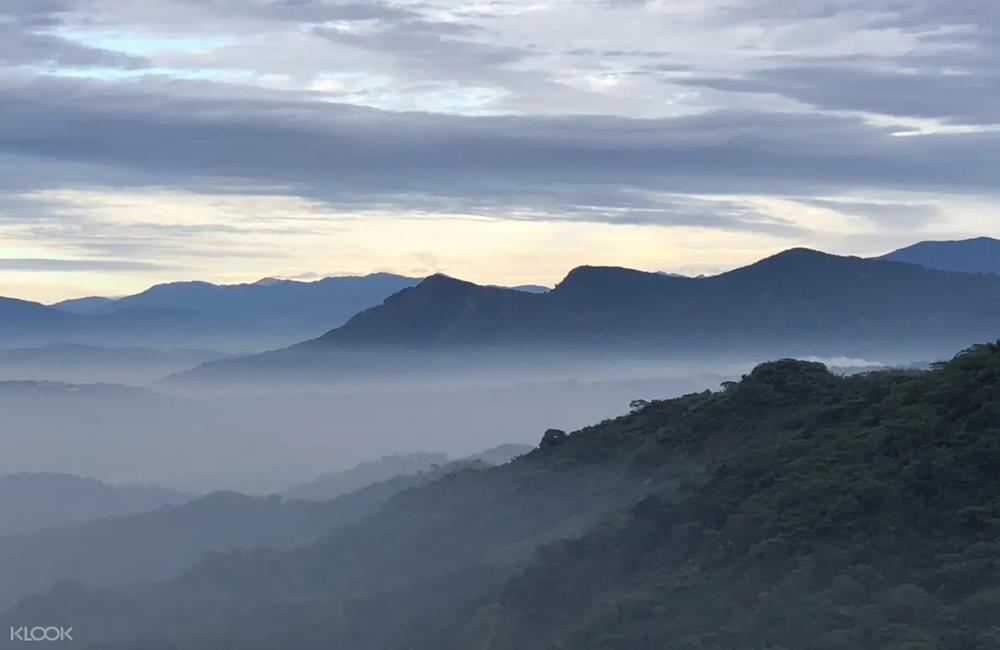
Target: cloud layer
791,121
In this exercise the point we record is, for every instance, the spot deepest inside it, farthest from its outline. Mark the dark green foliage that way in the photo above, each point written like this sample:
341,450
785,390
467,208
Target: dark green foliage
866,518
795,510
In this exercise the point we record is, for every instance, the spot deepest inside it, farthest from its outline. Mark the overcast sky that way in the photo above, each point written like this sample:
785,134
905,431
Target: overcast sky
504,142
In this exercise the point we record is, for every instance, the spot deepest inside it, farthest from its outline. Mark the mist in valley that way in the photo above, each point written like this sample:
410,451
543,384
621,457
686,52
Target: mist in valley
245,438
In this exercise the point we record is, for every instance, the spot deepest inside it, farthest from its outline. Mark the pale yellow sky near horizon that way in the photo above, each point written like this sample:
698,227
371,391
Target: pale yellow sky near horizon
236,238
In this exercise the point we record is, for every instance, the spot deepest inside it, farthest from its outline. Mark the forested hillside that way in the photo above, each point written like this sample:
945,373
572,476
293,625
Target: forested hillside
793,510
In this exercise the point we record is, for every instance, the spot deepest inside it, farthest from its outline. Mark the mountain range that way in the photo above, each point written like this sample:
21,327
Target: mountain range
796,300
233,318
797,303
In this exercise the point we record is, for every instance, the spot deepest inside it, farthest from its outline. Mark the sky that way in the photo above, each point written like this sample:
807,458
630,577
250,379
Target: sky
144,141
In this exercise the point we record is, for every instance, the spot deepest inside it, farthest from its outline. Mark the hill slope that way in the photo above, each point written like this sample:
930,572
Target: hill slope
980,255
334,484
794,509
166,540
36,500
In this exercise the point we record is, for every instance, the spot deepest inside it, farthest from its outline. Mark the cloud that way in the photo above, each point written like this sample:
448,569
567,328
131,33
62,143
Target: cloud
26,39
348,155
769,119
948,95
61,265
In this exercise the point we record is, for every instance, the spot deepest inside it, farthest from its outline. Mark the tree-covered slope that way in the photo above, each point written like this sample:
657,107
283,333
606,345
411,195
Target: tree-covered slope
868,519
793,510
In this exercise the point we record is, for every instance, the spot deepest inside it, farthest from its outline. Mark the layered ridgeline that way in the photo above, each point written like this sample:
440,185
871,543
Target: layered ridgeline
798,303
980,255
233,318
166,540
30,501
793,510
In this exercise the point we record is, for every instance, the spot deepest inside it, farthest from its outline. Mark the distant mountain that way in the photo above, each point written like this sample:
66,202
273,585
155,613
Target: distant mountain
800,302
29,501
980,255
330,300
88,305
334,484
235,318
532,288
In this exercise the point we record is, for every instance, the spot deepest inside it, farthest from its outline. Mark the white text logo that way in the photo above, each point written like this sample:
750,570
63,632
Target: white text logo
41,633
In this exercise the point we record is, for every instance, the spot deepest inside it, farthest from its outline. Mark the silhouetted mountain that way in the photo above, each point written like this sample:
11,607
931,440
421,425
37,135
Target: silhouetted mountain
796,297
334,484
793,509
444,311
29,501
980,255
799,302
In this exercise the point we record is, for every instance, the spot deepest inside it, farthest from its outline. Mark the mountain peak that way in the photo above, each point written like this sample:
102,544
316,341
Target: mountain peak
978,255
603,279
444,280
792,261
800,253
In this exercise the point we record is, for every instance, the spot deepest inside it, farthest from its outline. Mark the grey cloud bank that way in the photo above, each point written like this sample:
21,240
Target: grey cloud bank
652,113
349,155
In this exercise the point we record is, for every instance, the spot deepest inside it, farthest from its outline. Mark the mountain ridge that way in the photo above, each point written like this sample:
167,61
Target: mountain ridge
798,302
977,255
